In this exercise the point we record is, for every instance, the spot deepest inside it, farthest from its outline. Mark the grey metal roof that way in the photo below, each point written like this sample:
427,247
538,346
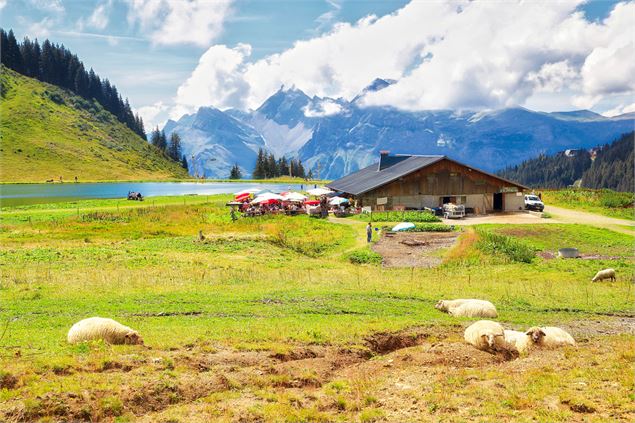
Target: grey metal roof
370,177
386,171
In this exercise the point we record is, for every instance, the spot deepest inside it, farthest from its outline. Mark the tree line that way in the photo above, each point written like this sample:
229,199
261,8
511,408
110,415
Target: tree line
267,166
612,168
172,148
55,64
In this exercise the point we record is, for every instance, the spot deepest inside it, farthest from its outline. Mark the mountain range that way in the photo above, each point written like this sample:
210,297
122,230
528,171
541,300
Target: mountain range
334,137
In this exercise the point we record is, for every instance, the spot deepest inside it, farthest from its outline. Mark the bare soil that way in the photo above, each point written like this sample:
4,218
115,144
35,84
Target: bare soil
413,249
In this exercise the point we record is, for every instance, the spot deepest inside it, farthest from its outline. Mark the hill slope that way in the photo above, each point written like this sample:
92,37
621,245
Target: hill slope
612,168
46,132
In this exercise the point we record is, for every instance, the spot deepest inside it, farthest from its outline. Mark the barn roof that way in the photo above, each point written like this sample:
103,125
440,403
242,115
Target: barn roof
391,168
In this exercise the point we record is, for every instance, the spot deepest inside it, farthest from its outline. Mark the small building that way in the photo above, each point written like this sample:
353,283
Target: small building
401,182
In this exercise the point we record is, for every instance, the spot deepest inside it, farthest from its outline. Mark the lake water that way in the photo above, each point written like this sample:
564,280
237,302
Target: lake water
21,194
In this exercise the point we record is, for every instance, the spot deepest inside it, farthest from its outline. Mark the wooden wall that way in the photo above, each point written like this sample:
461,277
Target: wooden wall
444,178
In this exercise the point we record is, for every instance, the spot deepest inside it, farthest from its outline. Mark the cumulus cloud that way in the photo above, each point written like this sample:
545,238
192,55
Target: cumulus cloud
461,55
99,18
177,22
153,115
3,3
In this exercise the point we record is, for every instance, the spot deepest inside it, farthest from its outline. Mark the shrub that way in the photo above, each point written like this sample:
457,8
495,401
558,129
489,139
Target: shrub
400,216
506,246
364,256
430,227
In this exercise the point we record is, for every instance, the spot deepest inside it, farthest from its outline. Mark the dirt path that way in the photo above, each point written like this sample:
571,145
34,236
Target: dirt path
560,215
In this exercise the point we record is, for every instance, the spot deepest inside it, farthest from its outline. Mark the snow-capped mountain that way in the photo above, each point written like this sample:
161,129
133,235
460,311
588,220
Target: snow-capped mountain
334,137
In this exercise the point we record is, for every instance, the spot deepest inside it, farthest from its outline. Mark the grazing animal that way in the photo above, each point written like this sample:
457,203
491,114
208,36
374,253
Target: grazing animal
604,274
524,341
467,308
489,336
95,328
550,337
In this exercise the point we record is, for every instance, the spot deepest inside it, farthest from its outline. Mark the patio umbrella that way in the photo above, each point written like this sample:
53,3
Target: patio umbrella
312,202
243,196
319,191
336,201
267,196
293,196
247,191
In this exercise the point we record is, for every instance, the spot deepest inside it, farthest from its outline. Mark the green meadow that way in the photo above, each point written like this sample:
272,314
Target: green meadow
274,286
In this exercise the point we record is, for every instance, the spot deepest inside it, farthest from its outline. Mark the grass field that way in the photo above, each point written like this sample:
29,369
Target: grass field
605,202
270,319
46,132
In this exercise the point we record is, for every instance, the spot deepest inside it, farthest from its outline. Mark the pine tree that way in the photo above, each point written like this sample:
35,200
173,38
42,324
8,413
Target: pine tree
13,58
259,169
155,138
184,164
309,176
174,147
235,172
163,142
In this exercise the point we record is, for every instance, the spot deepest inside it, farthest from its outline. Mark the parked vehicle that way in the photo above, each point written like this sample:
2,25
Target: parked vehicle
532,202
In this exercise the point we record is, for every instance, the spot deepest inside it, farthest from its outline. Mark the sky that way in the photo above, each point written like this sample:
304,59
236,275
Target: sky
170,57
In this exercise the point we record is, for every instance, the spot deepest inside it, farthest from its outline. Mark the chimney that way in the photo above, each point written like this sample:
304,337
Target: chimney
384,153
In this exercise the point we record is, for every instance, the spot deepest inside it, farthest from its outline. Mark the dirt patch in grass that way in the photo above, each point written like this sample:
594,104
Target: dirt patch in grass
413,249
385,342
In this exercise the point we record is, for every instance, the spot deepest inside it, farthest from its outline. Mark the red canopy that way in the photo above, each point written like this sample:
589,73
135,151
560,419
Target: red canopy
270,201
312,202
243,196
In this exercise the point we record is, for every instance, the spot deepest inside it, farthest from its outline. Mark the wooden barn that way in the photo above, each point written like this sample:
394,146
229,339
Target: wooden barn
403,182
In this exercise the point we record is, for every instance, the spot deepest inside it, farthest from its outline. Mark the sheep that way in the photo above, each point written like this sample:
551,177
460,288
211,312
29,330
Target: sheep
467,308
604,274
109,330
524,341
489,336
550,337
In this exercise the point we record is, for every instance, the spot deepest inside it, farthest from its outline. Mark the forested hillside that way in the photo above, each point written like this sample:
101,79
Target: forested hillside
612,168
56,65
46,133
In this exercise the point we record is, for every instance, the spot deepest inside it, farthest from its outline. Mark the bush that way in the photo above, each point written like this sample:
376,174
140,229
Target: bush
506,246
430,227
364,256
400,216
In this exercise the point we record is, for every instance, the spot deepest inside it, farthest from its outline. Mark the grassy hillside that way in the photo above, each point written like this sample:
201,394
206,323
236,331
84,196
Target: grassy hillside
46,132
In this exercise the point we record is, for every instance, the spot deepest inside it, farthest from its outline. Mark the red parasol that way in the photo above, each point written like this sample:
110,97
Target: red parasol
312,202
243,196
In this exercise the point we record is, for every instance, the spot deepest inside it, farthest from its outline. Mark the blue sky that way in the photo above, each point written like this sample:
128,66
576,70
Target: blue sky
156,61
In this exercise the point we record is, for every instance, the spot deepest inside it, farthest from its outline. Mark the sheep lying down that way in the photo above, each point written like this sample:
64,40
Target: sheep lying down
467,308
546,337
604,274
95,328
489,336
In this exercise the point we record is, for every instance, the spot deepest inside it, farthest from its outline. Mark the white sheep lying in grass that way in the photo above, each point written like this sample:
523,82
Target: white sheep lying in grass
550,337
467,308
488,336
95,328
604,274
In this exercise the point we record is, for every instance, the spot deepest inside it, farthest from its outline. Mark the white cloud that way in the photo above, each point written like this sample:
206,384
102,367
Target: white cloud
3,3
177,22
153,115
326,107
41,29
460,54
620,110
99,18
217,80
54,6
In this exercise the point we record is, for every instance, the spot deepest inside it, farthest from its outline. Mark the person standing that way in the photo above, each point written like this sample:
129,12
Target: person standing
369,232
